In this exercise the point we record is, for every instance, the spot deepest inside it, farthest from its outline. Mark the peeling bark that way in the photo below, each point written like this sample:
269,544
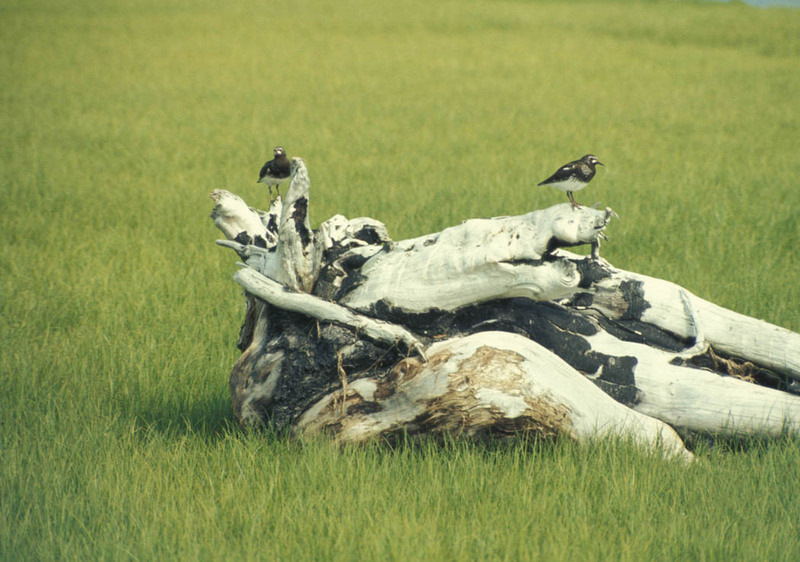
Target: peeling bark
492,383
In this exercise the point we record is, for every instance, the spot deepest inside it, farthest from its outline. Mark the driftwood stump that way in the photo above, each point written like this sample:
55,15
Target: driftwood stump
487,328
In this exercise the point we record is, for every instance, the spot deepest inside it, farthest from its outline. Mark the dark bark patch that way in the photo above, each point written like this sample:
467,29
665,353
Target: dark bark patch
352,279
559,329
370,235
299,214
582,300
311,363
243,238
633,294
728,365
339,277
249,323
617,379
591,271
554,244
364,408
637,331
272,224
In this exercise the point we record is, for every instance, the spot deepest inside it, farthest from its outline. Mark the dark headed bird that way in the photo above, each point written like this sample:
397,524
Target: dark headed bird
275,171
574,176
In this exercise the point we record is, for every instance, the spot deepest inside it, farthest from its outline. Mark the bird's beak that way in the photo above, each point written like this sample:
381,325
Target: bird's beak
600,163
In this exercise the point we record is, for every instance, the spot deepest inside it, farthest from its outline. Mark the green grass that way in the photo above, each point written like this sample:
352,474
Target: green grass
118,315
153,495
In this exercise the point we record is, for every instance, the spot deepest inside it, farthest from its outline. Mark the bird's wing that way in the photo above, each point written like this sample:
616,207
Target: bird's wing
264,169
563,173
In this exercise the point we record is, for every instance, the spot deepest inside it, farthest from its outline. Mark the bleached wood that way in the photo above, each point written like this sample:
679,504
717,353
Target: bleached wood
232,216
699,400
295,259
480,260
489,379
341,230
673,308
277,295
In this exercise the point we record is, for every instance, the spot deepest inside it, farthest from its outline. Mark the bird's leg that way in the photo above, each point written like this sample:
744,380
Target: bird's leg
278,189
572,200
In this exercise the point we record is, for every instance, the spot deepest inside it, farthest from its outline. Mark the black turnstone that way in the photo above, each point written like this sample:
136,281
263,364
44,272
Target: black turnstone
574,176
275,171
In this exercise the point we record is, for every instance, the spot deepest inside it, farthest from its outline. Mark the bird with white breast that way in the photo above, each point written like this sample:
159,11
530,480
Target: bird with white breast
574,176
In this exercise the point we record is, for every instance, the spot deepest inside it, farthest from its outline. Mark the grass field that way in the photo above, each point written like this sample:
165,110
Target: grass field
118,314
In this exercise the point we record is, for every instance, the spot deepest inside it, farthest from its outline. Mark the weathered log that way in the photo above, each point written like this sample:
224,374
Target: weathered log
676,310
325,311
488,383
481,260
488,327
